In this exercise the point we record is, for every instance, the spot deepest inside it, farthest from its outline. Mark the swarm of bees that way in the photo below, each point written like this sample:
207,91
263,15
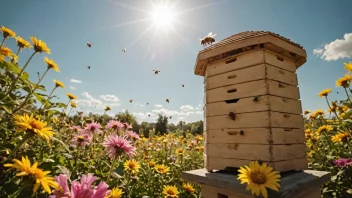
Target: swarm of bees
209,39
167,100
89,44
232,115
156,71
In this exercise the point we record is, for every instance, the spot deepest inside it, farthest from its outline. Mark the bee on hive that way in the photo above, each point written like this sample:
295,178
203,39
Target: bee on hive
232,115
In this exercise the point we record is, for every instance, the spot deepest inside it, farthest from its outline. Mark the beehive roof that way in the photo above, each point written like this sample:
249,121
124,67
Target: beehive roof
246,35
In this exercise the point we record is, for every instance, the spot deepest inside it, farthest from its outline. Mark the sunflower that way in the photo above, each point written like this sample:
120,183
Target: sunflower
39,45
348,66
151,164
35,126
74,105
324,128
6,32
180,151
344,81
23,166
59,84
132,166
71,96
258,177
5,51
21,43
325,92
51,64
42,179
188,187
170,191
115,193
162,169
339,137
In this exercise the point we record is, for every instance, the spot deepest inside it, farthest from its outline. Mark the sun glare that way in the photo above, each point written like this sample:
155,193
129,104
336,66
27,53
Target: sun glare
162,15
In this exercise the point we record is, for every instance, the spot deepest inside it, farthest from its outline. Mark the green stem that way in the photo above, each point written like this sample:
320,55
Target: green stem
48,98
111,168
24,140
19,75
331,144
316,148
18,51
2,43
348,97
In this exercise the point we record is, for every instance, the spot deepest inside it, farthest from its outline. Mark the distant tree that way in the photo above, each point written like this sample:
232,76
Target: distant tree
126,117
172,127
197,127
144,129
161,124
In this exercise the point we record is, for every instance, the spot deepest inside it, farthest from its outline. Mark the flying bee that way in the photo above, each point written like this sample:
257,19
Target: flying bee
167,100
131,100
124,49
148,115
89,44
88,67
256,99
147,103
170,117
232,115
156,71
183,85
209,39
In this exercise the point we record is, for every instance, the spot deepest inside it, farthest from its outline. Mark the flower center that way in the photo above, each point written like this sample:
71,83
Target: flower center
36,125
258,177
132,166
80,138
92,128
170,192
114,126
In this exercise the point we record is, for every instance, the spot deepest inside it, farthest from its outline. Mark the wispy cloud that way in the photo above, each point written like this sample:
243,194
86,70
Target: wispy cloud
75,80
158,106
91,101
337,49
109,98
186,108
72,87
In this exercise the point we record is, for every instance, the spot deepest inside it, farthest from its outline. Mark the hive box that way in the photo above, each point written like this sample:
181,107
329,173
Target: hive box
252,76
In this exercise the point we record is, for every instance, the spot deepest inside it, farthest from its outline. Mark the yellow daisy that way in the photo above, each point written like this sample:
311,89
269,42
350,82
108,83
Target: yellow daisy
180,151
6,32
340,137
71,96
324,128
344,81
162,169
55,119
170,191
39,45
23,166
2,58
258,178
74,105
59,84
132,166
51,64
188,187
5,51
115,193
42,179
30,124
348,66
151,164
21,43
325,92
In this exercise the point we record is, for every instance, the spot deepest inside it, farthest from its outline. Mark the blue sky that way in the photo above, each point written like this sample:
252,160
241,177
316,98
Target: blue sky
66,26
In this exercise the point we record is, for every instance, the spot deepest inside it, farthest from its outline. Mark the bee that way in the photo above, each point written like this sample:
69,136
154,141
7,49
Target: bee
88,67
89,44
170,117
147,103
183,85
124,49
232,115
209,39
156,71
337,92
131,100
256,99
148,115
241,132
167,100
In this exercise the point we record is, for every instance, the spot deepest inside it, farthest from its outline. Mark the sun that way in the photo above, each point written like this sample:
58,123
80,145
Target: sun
162,15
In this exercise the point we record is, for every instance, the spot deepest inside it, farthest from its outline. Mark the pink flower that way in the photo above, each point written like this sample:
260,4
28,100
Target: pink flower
114,124
64,192
93,127
127,126
81,139
133,135
76,128
116,146
342,162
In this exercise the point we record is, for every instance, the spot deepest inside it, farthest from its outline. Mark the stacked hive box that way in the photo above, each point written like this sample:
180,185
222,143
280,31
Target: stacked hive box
252,109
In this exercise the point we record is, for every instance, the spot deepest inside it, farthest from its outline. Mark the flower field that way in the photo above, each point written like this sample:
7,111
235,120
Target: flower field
44,152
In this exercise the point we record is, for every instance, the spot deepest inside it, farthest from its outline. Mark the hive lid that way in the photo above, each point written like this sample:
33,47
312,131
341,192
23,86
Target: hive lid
249,40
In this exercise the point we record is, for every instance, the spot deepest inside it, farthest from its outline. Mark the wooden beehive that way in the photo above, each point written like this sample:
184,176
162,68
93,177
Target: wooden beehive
252,74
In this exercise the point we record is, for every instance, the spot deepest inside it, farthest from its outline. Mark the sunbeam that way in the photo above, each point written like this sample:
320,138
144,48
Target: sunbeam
131,22
140,36
183,40
190,26
198,8
150,42
129,6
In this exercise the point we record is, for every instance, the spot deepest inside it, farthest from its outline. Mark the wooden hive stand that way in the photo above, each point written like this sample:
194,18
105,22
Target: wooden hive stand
252,107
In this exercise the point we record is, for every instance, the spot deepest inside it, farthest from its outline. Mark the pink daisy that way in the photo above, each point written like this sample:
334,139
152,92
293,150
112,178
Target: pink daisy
76,128
133,135
127,126
81,139
93,127
62,181
114,124
116,146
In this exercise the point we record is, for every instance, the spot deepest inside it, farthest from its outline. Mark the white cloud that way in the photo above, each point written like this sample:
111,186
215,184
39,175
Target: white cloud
72,87
158,106
337,49
75,81
144,116
110,98
186,108
90,101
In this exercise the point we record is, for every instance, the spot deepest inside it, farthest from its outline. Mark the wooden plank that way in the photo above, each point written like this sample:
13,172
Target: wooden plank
216,163
244,105
255,136
283,90
255,120
242,61
255,151
279,61
277,74
213,192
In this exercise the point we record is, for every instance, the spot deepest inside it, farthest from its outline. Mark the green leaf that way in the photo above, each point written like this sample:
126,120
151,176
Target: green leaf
12,67
6,109
349,191
63,144
49,160
333,178
40,97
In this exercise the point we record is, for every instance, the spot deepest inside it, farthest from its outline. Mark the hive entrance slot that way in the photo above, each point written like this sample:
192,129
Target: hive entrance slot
232,76
222,196
231,60
231,90
288,129
279,58
232,101
282,72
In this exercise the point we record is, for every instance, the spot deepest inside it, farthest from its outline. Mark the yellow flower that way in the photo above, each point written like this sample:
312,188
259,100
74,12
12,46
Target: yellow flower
325,92
170,191
30,124
180,151
14,58
21,43
2,58
340,137
199,148
115,193
42,179
162,169
151,163
51,64
344,81
188,187
343,109
23,166
5,51
71,96
39,45
306,112
342,115
258,178
55,119
199,138
73,104
7,32
324,128
107,108
318,113
348,66
59,84
132,166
